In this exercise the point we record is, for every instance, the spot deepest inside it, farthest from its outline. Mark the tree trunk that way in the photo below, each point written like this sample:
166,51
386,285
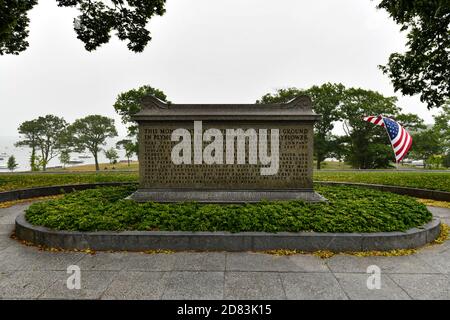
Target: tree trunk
318,162
128,161
97,167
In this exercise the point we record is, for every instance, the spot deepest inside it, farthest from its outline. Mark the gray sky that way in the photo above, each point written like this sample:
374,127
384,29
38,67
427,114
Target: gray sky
216,51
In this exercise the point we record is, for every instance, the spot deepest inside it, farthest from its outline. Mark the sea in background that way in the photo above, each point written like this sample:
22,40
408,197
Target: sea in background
22,154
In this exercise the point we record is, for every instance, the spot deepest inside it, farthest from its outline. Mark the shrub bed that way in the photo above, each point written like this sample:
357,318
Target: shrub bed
350,209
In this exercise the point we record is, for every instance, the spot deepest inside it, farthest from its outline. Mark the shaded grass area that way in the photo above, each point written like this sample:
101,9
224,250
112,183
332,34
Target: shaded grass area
16,181
422,180
350,209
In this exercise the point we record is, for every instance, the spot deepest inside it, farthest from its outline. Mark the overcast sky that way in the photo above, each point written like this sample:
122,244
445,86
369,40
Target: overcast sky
203,51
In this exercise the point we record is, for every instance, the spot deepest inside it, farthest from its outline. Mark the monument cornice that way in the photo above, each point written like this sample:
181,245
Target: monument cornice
299,108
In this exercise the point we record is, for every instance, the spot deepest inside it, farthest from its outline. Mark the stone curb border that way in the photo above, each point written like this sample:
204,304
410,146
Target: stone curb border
413,192
225,241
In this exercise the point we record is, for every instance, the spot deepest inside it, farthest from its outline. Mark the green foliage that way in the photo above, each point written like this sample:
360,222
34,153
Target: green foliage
348,210
410,121
112,155
368,145
364,146
12,164
446,160
128,103
326,101
422,180
97,20
64,157
425,144
14,23
442,126
435,161
128,146
425,67
45,134
91,133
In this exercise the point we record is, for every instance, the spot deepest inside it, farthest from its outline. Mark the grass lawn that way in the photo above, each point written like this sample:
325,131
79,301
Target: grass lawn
350,209
416,179
424,180
134,166
13,181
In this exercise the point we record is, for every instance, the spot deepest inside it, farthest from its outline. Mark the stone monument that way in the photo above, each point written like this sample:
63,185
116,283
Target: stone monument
225,153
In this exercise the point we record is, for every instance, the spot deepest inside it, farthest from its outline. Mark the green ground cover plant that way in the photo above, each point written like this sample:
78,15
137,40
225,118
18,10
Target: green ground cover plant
350,209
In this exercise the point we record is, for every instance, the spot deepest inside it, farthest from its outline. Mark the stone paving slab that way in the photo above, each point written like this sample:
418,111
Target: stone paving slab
400,264
355,286
93,285
26,284
247,261
183,285
307,286
8,215
27,273
253,285
136,285
424,286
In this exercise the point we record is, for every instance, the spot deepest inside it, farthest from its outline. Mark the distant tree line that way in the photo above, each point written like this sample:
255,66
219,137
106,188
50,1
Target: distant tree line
51,136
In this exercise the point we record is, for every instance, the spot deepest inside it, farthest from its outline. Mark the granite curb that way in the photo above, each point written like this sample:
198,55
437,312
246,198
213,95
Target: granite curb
225,241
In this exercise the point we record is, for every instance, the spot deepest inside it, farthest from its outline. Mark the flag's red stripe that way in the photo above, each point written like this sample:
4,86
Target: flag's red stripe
404,146
407,149
401,138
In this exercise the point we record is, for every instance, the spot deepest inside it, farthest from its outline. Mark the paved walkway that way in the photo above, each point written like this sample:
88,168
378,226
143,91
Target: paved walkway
26,272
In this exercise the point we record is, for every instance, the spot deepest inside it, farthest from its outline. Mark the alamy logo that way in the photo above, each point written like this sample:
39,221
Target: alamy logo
221,147
74,280
374,280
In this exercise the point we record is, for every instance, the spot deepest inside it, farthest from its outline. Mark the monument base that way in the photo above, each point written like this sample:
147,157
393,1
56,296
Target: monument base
224,196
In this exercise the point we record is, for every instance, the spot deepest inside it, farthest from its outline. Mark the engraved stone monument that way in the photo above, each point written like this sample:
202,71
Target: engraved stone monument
225,153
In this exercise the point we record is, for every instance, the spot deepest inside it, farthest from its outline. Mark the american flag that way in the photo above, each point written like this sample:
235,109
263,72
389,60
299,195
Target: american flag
400,139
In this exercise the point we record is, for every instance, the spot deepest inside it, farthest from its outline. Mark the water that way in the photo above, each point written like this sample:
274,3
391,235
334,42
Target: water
22,154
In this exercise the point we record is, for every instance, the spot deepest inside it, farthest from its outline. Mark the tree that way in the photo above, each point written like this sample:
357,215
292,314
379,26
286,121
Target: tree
97,20
426,143
29,132
128,146
425,67
326,101
43,134
410,121
112,155
128,103
91,133
368,145
442,126
64,157
12,164
14,23
446,161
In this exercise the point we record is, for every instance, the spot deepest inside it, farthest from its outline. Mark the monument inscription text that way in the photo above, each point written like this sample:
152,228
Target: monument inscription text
236,168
